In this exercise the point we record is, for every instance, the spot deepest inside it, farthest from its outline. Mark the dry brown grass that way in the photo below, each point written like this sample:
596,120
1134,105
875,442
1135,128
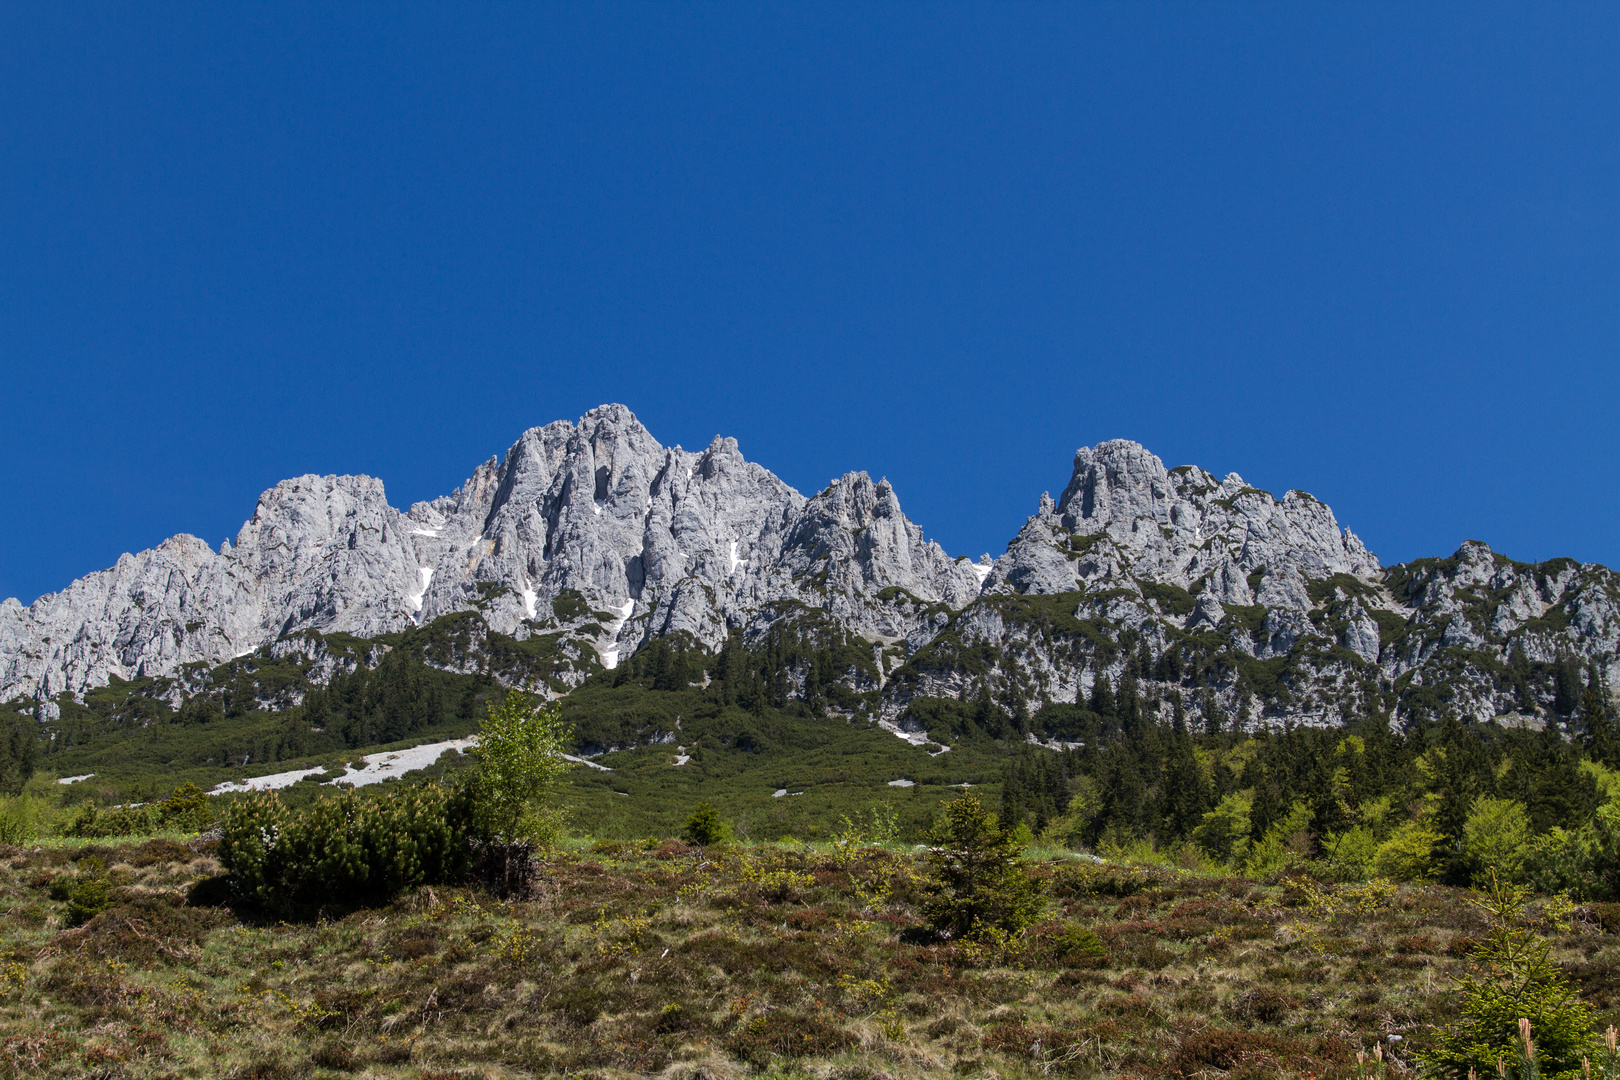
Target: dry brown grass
683,964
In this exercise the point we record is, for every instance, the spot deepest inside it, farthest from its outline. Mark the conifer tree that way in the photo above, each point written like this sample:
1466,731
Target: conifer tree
1599,740
983,888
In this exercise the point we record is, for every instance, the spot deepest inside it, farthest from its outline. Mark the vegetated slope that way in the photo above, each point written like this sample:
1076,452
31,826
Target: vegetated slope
640,958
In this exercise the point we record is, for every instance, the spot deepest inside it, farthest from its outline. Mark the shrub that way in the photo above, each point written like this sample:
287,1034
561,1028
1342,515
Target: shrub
1513,977
1584,862
705,826
1408,855
345,848
94,823
1063,945
785,1034
19,821
186,809
1223,833
984,888
520,758
86,894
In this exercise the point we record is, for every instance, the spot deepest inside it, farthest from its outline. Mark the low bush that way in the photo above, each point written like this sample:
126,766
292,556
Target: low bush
96,823
344,849
785,1034
86,897
187,809
19,821
1062,945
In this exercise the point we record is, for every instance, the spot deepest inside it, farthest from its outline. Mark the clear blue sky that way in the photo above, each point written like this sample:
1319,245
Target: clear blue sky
1368,251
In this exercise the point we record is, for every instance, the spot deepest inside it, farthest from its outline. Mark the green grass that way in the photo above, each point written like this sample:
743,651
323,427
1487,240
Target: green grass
639,958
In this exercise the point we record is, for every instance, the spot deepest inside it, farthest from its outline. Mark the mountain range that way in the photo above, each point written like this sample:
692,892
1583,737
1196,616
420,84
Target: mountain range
1253,609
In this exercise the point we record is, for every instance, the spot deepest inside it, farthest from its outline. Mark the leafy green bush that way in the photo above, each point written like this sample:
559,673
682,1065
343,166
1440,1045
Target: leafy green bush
1408,855
705,826
520,758
95,823
345,848
87,893
1223,833
186,809
1513,979
1583,862
983,887
19,821
1281,843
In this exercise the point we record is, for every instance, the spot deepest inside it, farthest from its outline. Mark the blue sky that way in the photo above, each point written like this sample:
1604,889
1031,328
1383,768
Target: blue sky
1368,251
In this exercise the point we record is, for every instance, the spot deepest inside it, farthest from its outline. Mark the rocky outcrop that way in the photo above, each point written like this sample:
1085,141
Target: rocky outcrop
1256,608
654,540
1125,519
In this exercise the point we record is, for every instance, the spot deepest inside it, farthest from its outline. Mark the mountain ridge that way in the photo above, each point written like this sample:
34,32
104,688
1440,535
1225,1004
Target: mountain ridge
1281,614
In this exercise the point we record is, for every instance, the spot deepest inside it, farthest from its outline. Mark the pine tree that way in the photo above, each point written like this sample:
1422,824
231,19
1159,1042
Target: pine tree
1566,686
1600,744
1102,698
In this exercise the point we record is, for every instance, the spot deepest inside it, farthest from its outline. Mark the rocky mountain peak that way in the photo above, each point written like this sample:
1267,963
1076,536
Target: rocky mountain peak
1125,518
594,532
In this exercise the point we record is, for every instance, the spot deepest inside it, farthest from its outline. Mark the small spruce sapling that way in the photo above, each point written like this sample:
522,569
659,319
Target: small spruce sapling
984,891
1512,989
706,827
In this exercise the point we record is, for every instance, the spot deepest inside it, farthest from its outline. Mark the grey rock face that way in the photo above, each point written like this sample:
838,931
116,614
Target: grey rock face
1134,566
324,553
1125,518
655,540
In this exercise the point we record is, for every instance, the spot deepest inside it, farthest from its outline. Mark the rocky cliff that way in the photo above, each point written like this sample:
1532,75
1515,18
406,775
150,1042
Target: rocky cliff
647,540
1249,608
1253,609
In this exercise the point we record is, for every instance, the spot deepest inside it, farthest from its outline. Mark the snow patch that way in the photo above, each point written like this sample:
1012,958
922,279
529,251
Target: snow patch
915,738
918,739
528,599
377,768
609,654
75,779
596,507
682,759
414,600
980,571
426,532
902,783
391,763
779,793
582,761
735,562
265,783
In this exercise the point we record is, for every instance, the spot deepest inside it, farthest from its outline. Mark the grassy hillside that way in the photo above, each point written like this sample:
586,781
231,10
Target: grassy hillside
655,958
